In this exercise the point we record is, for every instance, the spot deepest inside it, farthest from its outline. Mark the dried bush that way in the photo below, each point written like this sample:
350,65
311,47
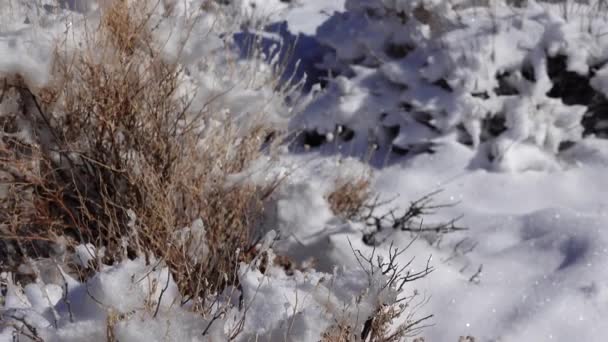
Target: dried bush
352,199
410,219
110,153
375,329
394,318
340,332
349,196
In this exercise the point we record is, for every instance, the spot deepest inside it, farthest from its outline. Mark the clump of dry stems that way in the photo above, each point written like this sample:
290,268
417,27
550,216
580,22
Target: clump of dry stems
352,199
349,196
115,157
394,319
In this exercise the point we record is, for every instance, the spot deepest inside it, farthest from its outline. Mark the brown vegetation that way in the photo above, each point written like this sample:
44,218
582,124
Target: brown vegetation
349,196
108,153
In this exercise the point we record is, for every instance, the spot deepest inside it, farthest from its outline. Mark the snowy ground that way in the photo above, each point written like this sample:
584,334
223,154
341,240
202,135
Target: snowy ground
538,237
530,267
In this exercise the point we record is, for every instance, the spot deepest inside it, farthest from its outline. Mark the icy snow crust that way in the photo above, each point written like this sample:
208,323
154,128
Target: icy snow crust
539,231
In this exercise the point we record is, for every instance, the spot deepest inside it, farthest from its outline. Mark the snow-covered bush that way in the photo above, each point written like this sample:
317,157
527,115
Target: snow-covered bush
507,80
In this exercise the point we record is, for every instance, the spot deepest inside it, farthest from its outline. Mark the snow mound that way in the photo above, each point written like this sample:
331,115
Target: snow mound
136,301
413,72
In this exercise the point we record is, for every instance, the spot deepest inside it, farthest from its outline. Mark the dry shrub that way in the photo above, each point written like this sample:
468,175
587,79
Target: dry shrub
340,332
375,329
353,199
391,320
380,325
349,196
125,22
118,159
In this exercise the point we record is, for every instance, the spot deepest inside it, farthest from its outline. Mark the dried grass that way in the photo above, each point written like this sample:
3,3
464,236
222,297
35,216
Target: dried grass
349,196
341,332
375,329
118,159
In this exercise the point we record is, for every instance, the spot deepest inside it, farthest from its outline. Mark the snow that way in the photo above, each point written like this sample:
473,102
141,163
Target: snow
536,222
540,238
382,55
129,293
122,289
539,235
307,15
84,254
302,210
193,238
530,266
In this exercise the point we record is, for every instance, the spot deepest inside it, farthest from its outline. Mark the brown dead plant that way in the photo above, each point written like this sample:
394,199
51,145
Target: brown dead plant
349,196
110,153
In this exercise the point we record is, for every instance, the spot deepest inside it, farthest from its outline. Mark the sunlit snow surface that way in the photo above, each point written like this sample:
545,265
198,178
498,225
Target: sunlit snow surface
540,239
533,264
